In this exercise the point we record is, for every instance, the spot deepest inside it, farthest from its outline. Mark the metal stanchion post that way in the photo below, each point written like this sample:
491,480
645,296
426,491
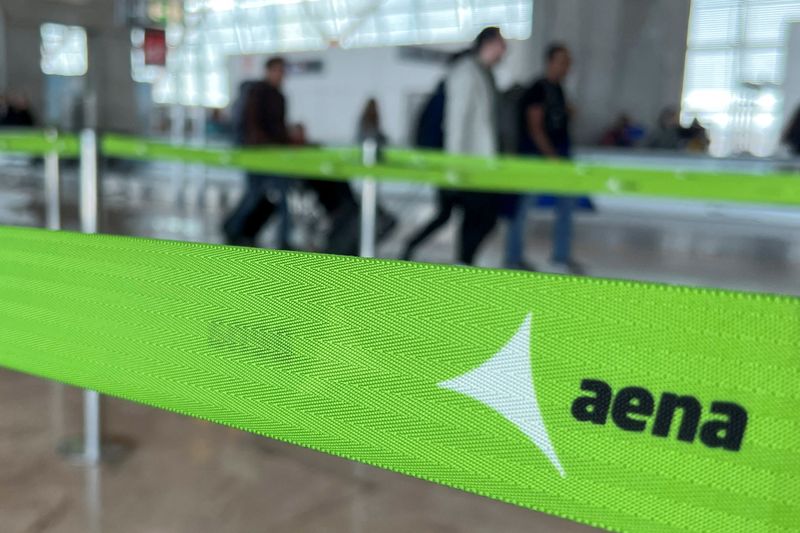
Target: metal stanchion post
89,211
89,184
369,200
52,215
369,219
52,185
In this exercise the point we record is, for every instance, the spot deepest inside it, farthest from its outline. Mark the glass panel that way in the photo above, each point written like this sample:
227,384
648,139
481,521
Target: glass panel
735,64
762,66
64,50
767,21
714,23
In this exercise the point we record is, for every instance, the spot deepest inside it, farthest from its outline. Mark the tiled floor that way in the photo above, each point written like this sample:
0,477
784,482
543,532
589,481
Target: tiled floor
184,475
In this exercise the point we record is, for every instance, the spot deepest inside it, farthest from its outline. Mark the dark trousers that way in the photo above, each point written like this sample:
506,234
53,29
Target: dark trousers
480,217
341,206
333,196
446,202
255,209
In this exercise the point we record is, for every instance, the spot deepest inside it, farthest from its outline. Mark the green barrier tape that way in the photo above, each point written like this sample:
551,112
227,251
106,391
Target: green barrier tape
504,174
38,143
630,406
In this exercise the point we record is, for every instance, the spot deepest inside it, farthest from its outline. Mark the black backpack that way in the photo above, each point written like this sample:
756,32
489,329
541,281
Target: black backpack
238,120
430,124
509,121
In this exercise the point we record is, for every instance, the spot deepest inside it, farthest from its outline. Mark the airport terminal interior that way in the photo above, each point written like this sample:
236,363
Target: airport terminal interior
680,86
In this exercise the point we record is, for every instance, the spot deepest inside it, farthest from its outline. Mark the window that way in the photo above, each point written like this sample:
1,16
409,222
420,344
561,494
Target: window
735,66
257,26
64,50
196,72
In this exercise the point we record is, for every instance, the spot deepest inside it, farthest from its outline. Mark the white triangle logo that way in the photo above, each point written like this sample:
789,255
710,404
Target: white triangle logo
505,384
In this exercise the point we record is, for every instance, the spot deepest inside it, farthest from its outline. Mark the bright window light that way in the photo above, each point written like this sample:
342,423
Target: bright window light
767,101
764,120
735,65
64,50
721,119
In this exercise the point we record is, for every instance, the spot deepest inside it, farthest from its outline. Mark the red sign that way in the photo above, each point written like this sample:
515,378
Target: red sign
155,47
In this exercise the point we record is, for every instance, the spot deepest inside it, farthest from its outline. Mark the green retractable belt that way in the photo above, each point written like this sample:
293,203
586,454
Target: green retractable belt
503,174
631,406
35,142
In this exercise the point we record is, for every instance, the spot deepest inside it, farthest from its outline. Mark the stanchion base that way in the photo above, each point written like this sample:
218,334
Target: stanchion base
114,450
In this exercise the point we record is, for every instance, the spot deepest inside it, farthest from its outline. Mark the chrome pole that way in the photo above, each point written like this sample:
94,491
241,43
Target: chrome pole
89,211
52,216
369,200
52,185
89,185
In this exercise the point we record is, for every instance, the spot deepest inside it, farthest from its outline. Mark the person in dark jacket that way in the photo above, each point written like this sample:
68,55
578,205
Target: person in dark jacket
260,119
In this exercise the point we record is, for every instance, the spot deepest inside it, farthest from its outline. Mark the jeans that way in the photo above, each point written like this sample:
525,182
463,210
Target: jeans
255,209
562,230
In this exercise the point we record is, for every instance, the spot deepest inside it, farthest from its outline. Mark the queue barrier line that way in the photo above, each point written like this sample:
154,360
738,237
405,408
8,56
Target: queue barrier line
502,174
624,405
39,142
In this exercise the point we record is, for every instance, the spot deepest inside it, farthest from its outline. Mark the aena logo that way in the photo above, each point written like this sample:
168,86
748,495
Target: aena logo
505,384
633,407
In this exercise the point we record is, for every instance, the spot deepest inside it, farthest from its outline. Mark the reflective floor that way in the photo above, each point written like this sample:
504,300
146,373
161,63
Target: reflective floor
176,474
185,475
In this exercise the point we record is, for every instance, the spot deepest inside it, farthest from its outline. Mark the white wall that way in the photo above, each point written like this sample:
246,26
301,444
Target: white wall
329,103
629,57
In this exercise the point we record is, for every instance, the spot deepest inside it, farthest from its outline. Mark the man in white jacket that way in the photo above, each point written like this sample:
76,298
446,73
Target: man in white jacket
471,127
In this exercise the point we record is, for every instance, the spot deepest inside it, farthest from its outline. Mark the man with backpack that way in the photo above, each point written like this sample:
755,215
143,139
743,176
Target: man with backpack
259,118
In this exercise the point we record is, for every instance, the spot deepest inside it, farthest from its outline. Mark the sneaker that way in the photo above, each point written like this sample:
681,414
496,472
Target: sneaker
571,267
248,242
523,265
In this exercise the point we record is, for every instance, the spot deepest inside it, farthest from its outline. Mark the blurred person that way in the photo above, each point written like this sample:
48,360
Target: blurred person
369,127
623,133
217,125
471,127
544,123
429,134
791,135
18,113
667,135
471,104
696,137
261,121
